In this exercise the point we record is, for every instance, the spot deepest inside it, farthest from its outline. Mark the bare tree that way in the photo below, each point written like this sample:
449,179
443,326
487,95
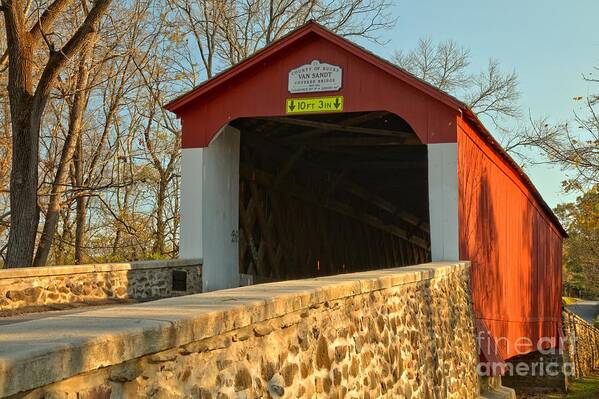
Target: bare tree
103,157
77,109
226,32
161,133
28,93
573,147
110,62
494,94
446,65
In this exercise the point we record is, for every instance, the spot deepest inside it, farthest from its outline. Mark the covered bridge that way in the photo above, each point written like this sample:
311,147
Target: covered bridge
316,157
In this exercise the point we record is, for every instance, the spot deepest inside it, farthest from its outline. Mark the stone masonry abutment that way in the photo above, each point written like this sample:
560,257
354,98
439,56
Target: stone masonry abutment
32,287
393,333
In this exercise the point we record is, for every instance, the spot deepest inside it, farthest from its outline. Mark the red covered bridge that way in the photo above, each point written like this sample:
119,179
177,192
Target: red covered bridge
316,157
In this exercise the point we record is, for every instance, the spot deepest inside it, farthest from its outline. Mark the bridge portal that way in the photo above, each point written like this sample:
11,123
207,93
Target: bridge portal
315,157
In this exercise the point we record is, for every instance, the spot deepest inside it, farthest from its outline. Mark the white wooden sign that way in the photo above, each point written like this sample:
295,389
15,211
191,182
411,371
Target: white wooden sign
315,77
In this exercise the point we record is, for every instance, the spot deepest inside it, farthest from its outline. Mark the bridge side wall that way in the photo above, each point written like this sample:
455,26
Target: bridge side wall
514,248
56,286
405,332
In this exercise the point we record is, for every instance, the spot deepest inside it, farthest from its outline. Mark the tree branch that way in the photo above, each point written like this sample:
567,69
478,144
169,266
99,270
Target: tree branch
45,21
79,38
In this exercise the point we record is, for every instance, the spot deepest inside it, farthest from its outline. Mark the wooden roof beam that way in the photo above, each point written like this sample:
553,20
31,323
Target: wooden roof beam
356,120
361,141
340,128
387,165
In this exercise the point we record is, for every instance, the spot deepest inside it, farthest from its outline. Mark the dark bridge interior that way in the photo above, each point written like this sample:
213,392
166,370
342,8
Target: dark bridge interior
328,194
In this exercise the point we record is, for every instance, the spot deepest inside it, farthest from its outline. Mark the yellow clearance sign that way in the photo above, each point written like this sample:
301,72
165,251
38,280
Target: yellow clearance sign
314,104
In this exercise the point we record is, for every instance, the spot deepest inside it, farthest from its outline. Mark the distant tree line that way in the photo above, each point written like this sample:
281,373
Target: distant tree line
581,252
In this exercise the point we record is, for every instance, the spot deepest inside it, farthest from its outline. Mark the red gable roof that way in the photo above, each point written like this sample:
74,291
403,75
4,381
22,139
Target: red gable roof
296,35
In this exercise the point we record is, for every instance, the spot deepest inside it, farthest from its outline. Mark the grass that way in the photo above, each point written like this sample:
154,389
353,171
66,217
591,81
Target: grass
583,388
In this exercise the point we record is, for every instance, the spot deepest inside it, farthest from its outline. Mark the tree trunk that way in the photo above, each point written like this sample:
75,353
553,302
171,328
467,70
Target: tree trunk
24,213
124,205
81,204
23,176
160,224
80,229
176,216
68,150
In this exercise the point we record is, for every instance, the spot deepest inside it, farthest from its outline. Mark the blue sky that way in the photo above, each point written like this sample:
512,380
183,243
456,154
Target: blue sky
550,44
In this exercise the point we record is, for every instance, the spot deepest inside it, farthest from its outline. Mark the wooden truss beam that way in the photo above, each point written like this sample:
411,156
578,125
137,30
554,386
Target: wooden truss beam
247,171
356,120
357,141
341,128
385,165
280,153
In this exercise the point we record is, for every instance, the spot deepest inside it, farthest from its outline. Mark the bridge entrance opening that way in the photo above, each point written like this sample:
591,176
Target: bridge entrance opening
329,194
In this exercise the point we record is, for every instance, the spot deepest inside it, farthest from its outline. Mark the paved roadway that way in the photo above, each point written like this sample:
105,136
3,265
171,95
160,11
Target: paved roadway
588,310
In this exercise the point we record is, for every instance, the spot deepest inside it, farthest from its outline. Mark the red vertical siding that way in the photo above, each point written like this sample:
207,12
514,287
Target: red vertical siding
514,247
258,87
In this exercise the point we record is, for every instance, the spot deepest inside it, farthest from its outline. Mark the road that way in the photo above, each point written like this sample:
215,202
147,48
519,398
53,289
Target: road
588,310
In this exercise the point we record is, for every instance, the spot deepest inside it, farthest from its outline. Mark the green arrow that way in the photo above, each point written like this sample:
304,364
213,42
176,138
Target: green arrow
291,106
337,103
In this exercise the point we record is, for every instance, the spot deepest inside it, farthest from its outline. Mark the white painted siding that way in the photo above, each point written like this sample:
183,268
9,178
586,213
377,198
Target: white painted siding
190,241
210,209
443,200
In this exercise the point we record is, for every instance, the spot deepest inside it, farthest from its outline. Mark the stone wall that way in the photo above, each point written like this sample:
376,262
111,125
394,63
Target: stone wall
583,344
36,286
396,333
537,372
492,387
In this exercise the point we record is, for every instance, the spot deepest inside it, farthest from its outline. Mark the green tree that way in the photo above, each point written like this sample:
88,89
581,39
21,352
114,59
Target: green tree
581,250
